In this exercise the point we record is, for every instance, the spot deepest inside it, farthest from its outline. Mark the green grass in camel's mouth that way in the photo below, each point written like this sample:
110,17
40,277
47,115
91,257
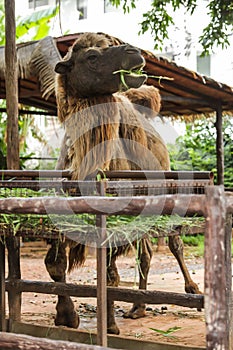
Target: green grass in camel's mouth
132,73
136,73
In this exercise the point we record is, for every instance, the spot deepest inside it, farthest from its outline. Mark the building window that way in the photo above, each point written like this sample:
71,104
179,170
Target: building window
82,8
108,7
203,65
33,4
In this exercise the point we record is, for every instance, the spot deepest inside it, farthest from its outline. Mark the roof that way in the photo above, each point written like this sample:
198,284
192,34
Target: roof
186,94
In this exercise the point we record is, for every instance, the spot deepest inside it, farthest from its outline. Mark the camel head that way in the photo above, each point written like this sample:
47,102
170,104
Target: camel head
93,66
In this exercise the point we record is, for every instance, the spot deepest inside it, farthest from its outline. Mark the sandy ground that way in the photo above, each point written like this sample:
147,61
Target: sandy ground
164,275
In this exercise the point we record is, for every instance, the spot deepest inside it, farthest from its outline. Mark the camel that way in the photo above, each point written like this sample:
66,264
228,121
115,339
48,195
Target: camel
106,120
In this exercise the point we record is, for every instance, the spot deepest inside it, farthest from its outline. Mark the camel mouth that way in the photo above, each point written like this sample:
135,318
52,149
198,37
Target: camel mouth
132,78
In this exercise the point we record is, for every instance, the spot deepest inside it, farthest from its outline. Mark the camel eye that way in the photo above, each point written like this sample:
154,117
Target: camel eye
92,58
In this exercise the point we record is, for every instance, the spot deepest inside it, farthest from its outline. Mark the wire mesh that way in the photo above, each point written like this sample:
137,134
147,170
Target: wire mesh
83,227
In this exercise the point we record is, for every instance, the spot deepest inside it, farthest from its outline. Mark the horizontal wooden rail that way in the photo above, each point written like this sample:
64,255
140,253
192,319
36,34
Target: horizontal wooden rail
137,174
151,174
119,294
5,174
26,342
180,204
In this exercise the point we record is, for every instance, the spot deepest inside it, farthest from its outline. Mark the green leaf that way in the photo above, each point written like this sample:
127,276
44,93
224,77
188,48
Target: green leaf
38,19
168,332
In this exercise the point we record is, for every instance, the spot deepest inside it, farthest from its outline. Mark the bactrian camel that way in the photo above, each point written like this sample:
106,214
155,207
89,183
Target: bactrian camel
106,127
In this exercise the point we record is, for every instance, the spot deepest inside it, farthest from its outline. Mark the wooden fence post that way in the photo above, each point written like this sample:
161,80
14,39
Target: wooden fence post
2,288
101,277
14,297
217,268
228,240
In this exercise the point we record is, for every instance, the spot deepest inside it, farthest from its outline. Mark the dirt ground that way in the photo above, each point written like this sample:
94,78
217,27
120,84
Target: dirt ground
164,275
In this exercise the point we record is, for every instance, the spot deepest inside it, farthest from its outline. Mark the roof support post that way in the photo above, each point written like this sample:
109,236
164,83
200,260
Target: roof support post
11,87
11,80
219,145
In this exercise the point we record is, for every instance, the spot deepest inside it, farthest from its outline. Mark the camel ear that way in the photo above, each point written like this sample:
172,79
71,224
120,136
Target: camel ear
63,67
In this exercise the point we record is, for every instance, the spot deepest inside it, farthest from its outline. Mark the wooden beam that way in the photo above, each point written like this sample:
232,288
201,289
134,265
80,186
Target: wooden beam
180,204
14,272
87,337
114,293
186,100
11,78
2,288
101,254
118,174
11,84
216,269
26,342
186,80
29,112
228,244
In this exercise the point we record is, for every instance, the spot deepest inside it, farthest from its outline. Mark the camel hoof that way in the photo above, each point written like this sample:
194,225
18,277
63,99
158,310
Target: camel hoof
192,288
113,330
71,320
135,312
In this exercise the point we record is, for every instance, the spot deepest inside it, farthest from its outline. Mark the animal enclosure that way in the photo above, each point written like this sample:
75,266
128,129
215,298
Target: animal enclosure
150,193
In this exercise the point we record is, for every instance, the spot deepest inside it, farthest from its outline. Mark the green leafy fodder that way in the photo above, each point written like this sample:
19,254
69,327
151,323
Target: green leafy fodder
168,332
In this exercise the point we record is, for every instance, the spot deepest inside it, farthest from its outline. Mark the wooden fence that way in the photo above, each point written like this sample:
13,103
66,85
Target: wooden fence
215,205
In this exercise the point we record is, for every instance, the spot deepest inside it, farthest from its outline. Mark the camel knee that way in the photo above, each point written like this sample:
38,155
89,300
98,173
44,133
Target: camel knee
113,278
176,245
145,256
145,260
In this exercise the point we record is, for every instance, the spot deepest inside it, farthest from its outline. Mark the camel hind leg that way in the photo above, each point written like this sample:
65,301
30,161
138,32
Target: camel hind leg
145,253
56,264
176,246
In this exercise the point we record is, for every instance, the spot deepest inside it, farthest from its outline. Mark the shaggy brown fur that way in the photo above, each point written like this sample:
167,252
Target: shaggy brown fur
108,128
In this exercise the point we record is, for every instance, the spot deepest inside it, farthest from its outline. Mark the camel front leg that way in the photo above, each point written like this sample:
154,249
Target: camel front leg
56,264
113,280
176,246
145,255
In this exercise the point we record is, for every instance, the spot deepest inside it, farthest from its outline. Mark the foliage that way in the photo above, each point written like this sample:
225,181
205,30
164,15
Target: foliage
196,242
49,164
2,23
196,150
160,16
26,124
39,20
220,26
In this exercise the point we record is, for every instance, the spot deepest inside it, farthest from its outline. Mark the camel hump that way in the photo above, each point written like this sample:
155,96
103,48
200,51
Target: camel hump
147,97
